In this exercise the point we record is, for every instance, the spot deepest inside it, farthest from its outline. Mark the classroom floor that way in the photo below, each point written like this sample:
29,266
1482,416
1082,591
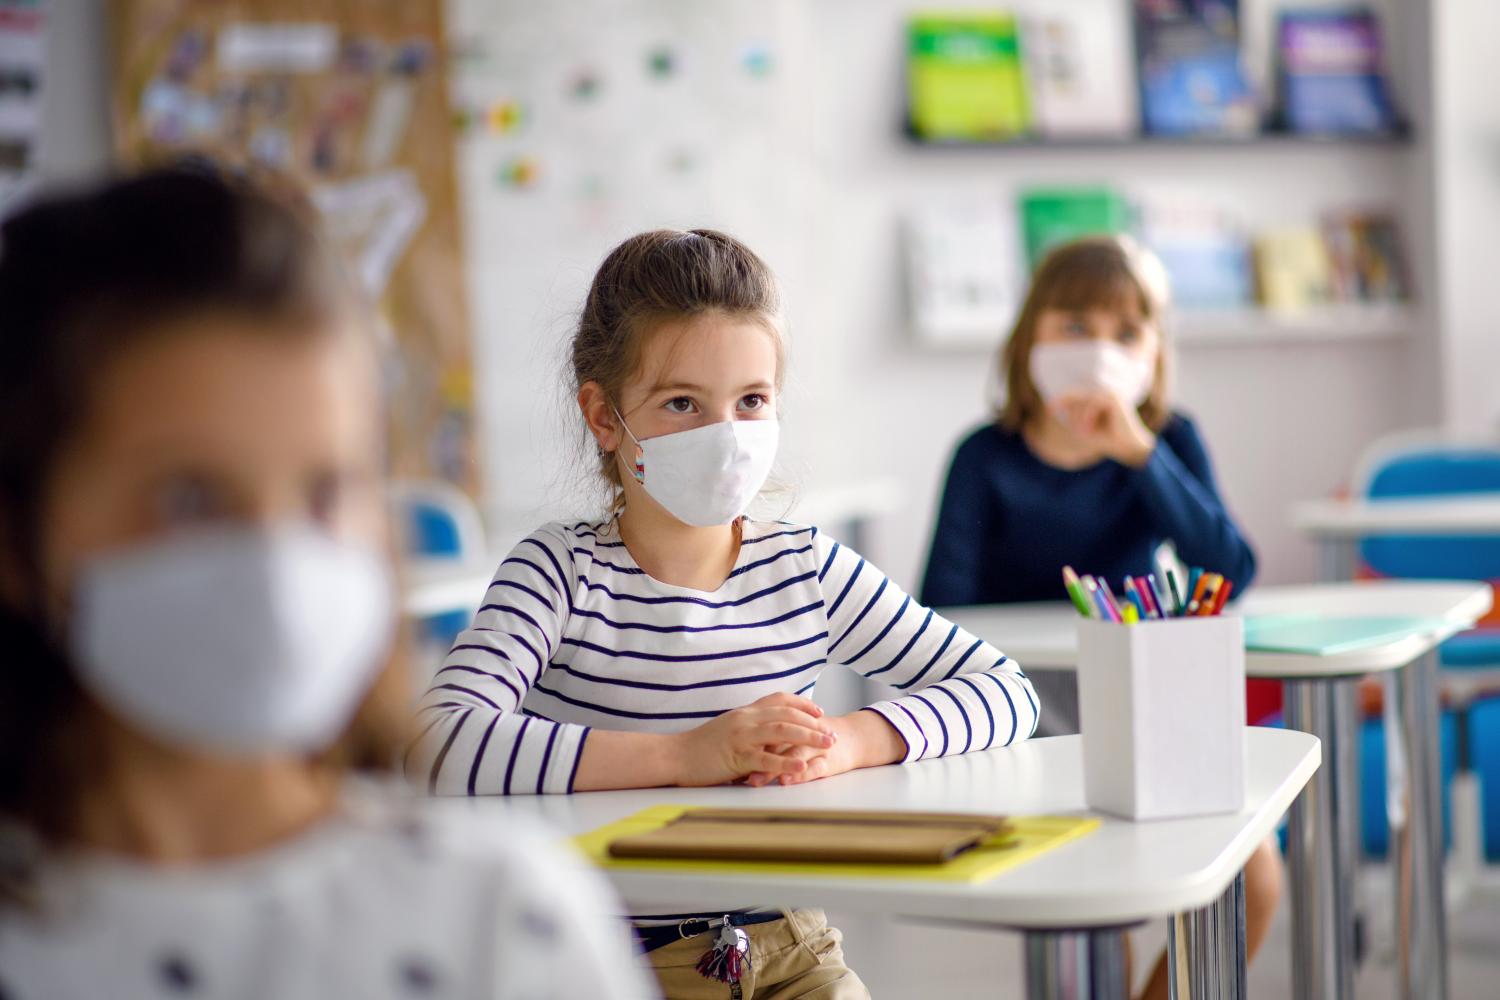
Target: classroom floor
918,962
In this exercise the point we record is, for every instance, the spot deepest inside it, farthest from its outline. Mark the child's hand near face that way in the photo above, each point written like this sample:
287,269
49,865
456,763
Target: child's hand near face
1104,421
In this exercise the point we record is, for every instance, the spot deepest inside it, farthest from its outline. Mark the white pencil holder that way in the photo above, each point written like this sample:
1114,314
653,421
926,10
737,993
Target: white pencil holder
1162,705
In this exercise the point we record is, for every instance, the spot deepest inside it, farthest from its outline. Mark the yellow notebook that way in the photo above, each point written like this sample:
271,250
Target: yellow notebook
1024,838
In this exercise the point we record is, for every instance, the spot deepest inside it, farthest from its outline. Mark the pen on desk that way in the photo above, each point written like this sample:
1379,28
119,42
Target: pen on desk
1144,588
1076,593
1130,615
1195,577
1223,597
1162,610
1109,599
1198,589
1133,599
1096,599
1176,594
1204,605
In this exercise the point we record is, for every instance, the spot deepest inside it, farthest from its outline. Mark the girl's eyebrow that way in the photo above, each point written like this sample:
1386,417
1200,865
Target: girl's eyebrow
690,387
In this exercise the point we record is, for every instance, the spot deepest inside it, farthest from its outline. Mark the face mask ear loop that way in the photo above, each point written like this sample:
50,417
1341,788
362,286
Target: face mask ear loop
638,467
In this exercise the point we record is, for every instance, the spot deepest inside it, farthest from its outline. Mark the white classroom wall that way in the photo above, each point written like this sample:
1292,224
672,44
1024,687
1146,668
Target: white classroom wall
1284,421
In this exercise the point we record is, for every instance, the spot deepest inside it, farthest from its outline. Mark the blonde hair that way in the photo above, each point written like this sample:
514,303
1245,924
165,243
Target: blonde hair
659,276
1094,272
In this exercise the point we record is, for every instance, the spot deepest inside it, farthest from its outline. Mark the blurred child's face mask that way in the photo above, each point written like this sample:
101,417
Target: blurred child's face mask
238,640
1087,366
708,475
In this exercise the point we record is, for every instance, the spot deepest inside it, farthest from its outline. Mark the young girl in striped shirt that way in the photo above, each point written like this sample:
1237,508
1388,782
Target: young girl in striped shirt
675,641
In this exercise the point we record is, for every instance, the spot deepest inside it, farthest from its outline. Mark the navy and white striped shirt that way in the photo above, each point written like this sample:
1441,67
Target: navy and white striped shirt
574,635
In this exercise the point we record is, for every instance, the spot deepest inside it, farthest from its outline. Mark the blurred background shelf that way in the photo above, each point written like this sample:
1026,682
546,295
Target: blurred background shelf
1398,139
1321,325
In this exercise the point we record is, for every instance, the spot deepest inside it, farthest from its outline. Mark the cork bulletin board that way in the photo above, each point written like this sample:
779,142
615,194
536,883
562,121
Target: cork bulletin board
349,97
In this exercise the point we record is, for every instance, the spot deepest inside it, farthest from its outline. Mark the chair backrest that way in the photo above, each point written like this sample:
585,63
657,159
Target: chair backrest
437,519
1430,463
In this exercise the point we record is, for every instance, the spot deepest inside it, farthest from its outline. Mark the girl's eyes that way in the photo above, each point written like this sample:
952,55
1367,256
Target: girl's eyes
754,401
680,404
1076,328
1130,335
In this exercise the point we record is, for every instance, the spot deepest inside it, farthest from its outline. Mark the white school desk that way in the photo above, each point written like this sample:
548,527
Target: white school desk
1339,525
1320,698
1074,903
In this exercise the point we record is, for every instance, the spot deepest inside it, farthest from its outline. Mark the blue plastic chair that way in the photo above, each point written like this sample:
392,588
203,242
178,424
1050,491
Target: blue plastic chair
437,520
1372,789
1484,757
1427,465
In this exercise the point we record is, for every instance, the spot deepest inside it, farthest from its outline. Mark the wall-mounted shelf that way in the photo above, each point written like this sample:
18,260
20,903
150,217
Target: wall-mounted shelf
1245,327
1271,139
1316,325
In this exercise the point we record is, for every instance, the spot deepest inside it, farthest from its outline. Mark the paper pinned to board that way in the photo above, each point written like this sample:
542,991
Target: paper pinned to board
277,48
374,219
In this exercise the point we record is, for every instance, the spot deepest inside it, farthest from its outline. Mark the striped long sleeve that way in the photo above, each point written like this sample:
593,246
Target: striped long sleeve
474,738
964,694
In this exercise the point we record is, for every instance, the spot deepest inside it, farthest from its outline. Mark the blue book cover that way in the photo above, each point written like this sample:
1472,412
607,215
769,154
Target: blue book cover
1191,76
1332,78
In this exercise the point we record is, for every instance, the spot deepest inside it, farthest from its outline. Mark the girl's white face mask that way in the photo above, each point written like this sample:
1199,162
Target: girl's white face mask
1074,366
708,475
239,640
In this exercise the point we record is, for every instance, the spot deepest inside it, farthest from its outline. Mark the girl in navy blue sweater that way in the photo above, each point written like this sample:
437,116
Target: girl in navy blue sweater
1086,465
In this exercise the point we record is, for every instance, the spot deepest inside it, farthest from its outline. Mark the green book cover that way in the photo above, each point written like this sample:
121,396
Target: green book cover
1056,215
1318,635
965,77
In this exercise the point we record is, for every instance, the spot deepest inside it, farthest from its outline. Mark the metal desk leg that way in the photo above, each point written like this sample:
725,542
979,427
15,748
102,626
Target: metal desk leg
1322,843
1076,965
1339,556
1206,948
1414,807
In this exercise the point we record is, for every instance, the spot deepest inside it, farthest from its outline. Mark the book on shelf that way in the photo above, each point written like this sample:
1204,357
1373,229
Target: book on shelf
1205,251
1366,257
965,77
1055,215
1331,76
1293,269
1192,79
963,271
1080,71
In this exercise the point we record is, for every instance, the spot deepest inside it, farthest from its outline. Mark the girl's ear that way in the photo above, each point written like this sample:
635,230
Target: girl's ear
594,403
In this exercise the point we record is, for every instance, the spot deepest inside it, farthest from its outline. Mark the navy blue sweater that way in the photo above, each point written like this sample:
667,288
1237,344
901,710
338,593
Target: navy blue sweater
1009,522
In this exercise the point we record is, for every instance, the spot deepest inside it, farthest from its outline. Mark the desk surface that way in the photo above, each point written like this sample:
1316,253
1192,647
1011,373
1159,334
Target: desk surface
1472,514
1045,635
1122,872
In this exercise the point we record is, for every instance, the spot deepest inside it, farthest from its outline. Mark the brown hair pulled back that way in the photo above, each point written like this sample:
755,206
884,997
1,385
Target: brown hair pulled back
658,276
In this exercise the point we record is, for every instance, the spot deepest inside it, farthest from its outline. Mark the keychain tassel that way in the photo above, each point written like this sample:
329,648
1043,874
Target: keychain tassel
729,959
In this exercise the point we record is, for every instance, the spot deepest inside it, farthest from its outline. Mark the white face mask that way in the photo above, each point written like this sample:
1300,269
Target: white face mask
708,475
1088,366
239,640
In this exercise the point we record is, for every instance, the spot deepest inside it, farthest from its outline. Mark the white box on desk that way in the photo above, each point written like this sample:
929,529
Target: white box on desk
1162,706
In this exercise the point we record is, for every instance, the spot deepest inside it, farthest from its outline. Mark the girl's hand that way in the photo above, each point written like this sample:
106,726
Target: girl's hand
743,741
865,739
1108,423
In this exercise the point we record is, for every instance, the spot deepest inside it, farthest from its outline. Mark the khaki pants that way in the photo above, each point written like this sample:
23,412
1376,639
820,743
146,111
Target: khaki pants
798,958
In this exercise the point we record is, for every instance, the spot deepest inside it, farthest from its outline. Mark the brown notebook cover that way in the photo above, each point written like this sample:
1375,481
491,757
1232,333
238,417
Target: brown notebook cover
812,835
